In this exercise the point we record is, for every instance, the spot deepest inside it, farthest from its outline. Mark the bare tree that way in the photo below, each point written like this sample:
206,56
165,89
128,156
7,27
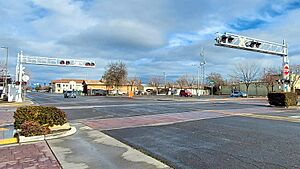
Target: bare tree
217,80
155,81
246,72
269,77
191,80
233,82
115,74
134,81
294,76
182,81
170,84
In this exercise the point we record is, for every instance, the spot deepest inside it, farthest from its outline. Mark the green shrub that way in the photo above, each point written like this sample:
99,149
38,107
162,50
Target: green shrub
44,115
283,99
32,128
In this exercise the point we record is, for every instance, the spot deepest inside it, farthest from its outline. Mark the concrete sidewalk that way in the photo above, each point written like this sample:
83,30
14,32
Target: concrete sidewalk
90,148
27,102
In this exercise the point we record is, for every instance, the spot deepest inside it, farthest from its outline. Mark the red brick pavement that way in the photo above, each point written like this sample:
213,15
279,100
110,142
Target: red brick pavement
28,156
148,120
161,119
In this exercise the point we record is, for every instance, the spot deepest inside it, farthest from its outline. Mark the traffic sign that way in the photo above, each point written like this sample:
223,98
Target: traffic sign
286,70
25,78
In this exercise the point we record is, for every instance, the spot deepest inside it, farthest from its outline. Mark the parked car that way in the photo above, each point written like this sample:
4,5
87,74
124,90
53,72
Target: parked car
100,92
238,94
185,93
69,94
117,92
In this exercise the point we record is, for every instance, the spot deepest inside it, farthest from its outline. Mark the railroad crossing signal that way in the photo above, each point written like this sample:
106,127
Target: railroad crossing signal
38,60
257,45
252,44
47,61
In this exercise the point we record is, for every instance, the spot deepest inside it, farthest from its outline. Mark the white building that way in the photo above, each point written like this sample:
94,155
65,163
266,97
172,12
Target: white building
61,85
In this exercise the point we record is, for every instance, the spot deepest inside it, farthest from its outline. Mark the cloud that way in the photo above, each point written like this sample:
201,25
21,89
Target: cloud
118,34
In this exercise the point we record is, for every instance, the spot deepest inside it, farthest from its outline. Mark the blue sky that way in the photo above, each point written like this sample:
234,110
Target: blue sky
151,37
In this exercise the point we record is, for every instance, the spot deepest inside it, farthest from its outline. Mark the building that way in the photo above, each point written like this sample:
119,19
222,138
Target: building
98,87
94,87
4,81
61,85
260,88
175,90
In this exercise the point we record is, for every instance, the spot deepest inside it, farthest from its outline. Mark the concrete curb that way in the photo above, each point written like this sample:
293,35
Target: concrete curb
23,139
15,104
6,124
8,141
72,131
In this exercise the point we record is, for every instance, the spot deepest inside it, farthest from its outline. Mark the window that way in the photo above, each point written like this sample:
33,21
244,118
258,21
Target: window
58,85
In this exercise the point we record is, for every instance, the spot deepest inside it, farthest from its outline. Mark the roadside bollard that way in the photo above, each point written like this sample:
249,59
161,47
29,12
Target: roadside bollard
131,94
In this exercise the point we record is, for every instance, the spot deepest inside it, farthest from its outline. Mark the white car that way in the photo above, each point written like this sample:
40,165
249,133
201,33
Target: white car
238,94
117,92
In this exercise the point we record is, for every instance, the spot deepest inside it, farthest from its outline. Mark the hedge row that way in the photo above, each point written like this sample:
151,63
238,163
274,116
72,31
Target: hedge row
44,115
285,99
32,128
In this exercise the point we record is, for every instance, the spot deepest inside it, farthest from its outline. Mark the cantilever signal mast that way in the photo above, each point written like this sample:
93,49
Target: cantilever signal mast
257,45
46,61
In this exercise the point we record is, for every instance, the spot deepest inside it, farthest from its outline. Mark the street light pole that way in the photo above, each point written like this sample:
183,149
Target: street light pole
5,85
198,81
198,78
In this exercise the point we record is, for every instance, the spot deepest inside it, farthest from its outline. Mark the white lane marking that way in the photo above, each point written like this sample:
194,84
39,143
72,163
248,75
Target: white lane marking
121,105
295,117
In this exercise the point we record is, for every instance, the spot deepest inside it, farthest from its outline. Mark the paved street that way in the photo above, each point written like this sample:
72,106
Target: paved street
197,133
84,107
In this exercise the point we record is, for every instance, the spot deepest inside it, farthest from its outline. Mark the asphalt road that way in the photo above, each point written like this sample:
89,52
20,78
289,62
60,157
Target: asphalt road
97,107
228,142
223,142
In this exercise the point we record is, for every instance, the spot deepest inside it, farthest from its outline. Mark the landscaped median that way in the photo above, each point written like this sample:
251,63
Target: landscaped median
35,123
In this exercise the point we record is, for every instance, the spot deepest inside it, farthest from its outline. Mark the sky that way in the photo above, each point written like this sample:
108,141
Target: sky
151,37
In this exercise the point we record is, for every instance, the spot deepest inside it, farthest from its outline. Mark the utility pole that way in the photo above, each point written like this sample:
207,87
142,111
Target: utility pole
200,67
202,64
198,78
165,82
165,77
